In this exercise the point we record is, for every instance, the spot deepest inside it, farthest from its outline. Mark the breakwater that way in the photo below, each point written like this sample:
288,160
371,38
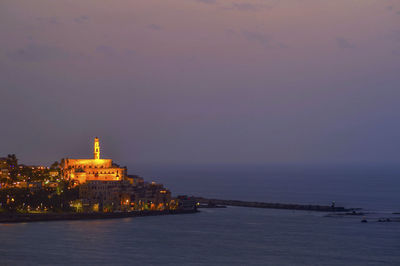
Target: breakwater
286,206
38,217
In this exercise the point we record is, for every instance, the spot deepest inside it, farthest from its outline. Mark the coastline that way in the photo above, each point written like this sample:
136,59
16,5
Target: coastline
41,217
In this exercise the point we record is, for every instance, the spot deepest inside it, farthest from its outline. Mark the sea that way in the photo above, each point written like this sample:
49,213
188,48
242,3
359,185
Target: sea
233,235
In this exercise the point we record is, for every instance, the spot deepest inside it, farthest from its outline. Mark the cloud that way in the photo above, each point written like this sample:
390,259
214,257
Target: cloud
246,6
37,52
394,52
81,19
260,38
108,52
344,43
251,6
230,32
105,50
282,45
394,36
48,20
155,27
130,52
207,1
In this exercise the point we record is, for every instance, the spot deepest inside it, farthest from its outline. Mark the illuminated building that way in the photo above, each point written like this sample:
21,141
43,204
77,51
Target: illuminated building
96,169
4,173
4,168
106,195
3,163
123,196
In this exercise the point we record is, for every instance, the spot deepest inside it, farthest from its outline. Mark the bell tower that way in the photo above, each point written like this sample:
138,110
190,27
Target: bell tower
96,147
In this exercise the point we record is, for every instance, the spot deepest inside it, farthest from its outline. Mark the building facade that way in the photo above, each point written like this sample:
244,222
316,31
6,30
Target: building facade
96,169
124,196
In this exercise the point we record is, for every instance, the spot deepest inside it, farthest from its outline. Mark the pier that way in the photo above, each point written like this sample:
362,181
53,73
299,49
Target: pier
286,206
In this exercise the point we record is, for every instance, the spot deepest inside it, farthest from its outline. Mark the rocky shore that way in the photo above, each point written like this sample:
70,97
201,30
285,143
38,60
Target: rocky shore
38,217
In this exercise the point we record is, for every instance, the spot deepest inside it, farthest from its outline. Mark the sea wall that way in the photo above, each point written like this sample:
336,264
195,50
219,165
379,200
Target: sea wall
287,206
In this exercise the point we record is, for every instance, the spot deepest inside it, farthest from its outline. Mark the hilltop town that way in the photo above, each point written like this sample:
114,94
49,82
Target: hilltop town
80,185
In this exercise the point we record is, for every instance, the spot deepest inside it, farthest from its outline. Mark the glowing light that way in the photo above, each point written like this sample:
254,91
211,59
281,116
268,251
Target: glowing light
96,148
79,169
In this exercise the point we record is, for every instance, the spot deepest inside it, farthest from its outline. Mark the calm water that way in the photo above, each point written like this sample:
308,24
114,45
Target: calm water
373,188
232,236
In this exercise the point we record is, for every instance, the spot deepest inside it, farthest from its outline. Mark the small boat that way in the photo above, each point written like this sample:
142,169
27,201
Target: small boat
364,220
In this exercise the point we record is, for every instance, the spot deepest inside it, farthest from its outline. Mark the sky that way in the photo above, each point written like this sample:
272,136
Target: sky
201,81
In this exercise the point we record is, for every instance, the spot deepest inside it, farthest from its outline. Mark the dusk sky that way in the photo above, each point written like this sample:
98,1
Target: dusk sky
201,81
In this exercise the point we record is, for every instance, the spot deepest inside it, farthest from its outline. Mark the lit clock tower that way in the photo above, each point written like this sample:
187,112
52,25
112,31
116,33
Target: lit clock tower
96,147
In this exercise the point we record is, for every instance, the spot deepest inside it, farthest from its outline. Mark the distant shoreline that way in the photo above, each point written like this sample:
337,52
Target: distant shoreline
41,217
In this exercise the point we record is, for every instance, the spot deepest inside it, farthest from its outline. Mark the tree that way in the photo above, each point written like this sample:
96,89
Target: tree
12,160
55,165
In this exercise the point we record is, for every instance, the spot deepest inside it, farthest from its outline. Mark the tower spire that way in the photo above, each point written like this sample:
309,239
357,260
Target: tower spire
96,148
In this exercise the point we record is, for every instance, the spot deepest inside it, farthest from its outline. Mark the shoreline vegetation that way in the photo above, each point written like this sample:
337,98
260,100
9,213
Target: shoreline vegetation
8,217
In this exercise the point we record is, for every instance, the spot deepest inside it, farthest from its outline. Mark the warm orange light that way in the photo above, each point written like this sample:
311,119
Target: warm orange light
96,148
83,170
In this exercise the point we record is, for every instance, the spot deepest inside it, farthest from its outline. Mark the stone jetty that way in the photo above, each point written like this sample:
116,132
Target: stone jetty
286,206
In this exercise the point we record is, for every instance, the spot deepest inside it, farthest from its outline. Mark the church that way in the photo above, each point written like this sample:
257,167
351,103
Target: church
83,170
